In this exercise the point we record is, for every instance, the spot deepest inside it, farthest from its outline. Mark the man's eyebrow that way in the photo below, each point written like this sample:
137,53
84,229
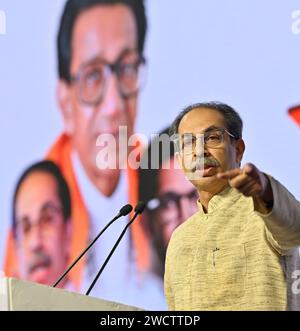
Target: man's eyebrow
168,193
211,128
47,205
98,57
44,207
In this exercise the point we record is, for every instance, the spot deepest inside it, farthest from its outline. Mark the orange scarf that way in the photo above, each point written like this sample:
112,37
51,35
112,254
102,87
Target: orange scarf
60,153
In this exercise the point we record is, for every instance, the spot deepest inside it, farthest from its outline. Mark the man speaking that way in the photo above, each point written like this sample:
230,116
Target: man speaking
239,251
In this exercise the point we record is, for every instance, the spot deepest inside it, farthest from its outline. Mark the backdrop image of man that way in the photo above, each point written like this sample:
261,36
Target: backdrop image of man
41,218
100,46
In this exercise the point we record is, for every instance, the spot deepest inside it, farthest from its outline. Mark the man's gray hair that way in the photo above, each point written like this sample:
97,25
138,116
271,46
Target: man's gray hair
233,121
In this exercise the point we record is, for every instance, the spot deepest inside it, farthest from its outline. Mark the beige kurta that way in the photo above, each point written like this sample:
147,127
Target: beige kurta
234,258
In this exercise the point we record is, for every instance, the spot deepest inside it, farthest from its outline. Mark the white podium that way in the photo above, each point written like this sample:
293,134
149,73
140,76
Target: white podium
17,294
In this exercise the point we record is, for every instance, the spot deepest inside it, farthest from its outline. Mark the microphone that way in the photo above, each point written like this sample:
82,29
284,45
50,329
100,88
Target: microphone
137,210
125,210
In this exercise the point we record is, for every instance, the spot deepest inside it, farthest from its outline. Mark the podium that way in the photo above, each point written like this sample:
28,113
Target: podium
22,295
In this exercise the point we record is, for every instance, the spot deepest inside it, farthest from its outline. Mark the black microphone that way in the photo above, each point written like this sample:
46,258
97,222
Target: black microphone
125,210
137,210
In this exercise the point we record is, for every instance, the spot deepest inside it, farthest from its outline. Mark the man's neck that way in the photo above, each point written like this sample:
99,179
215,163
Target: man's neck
205,196
106,184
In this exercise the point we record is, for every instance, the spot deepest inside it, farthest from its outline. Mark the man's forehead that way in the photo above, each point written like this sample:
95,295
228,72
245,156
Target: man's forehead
36,190
104,31
201,119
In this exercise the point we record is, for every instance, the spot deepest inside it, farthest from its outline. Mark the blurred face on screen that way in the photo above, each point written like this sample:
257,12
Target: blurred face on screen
177,201
104,37
41,232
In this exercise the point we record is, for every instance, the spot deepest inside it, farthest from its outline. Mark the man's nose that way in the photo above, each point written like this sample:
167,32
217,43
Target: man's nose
201,151
199,147
113,102
35,239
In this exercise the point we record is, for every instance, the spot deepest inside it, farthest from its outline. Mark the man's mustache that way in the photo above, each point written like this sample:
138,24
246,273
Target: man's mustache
202,162
39,259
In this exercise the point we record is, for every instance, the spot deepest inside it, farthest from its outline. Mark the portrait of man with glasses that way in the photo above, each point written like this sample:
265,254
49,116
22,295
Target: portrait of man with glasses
100,51
41,224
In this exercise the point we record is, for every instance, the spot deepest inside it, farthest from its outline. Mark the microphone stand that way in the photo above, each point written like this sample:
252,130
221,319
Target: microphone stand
111,252
124,211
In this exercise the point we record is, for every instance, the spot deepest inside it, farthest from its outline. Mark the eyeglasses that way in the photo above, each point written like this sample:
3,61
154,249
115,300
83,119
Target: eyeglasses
170,202
46,222
91,80
187,143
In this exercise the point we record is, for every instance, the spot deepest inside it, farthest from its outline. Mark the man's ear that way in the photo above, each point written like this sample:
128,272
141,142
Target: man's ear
65,105
240,149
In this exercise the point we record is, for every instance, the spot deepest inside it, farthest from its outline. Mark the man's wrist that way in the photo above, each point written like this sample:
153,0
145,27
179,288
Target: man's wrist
266,199
267,196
